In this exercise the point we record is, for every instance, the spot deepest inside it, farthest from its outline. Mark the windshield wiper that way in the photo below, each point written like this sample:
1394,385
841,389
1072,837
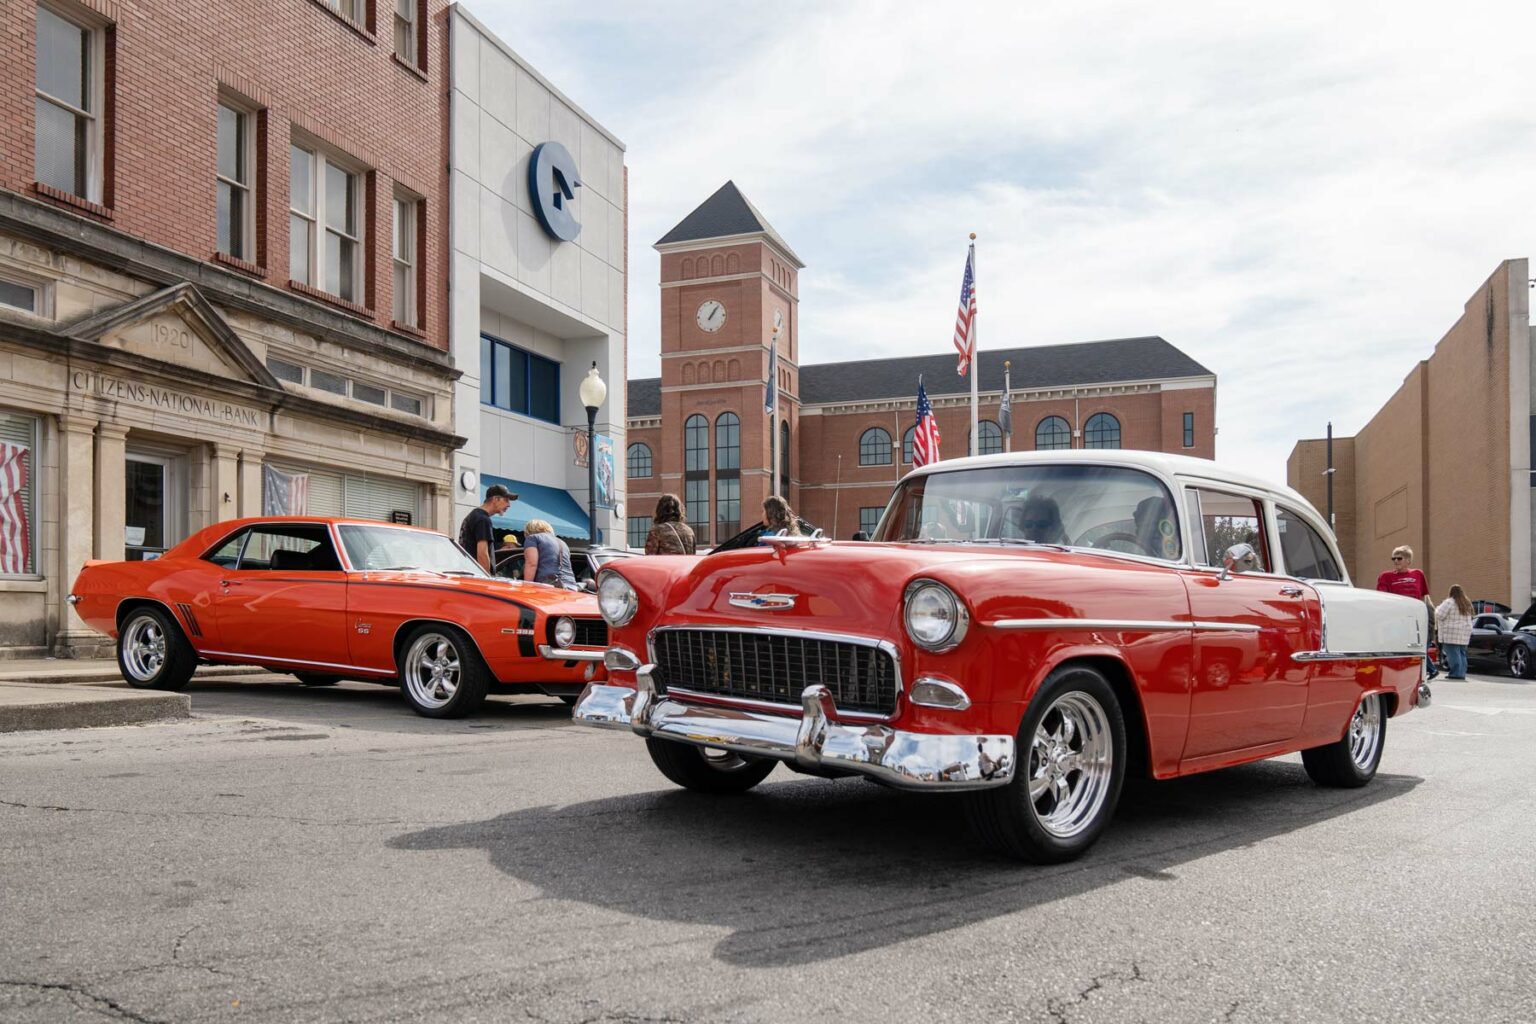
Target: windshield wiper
409,568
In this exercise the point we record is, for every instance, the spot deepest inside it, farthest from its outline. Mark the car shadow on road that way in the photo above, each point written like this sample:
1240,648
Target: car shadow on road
811,869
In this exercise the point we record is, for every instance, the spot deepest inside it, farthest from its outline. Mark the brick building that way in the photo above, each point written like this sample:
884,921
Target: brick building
700,430
1444,465
222,278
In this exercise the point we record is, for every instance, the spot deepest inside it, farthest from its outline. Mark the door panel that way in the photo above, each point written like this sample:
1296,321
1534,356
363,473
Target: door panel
286,600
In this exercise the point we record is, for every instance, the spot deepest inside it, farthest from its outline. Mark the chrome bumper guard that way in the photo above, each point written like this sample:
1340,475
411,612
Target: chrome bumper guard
1423,696
568,654
906,760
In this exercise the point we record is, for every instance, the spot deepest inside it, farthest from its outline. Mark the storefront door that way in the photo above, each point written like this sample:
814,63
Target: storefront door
154,508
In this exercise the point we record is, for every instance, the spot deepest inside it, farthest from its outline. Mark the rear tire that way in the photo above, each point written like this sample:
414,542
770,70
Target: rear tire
1071,764
704,771
152,653
311,679
1350,761
441,674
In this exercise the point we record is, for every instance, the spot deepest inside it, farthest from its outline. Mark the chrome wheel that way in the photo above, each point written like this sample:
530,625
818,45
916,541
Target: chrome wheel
1071,765
143,643
432,670
1365,733
1517,661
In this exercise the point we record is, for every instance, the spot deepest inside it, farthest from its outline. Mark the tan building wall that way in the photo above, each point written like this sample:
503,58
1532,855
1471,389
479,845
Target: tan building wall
1444,465
1307,469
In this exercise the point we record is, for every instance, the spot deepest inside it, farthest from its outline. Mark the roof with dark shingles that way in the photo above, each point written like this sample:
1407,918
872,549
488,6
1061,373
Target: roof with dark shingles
723,214
1043,366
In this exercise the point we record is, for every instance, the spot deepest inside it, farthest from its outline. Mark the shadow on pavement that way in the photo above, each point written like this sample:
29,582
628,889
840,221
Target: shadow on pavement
811,869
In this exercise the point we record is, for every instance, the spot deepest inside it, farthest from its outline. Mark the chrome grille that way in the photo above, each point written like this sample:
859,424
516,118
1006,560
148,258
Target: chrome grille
590,633
777,667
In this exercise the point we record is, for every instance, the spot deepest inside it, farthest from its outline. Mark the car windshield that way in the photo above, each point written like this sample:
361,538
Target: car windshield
385,547
1113,508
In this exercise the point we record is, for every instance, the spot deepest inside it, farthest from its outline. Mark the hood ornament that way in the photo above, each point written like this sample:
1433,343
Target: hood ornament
764,602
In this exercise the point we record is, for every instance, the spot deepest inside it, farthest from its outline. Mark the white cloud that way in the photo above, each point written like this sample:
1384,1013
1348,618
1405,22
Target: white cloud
1300,196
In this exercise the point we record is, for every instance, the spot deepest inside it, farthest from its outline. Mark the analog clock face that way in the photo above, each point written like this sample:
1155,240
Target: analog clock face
778,318
711,316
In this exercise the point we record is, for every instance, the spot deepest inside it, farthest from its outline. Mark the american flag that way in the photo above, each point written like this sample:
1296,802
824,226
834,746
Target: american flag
965,319
925,439
284,494
14,533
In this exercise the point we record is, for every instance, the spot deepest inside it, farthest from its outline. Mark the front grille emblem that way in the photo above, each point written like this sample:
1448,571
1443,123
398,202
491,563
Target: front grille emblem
764,602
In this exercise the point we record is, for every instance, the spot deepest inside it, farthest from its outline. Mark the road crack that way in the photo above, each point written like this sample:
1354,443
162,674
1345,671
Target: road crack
1059,1009
72,991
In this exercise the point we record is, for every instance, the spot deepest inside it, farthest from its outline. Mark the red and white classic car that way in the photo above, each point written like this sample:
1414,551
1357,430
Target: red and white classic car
1025,628
333,599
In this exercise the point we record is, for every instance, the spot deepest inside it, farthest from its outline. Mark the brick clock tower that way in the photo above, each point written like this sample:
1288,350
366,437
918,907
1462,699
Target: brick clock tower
727,279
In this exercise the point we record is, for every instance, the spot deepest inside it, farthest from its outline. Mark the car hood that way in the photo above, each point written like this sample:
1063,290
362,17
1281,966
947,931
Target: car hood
1528,619
553,600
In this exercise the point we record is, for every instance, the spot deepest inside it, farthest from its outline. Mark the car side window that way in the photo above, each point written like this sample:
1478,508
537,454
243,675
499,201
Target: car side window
1485,622
228,553
1306,553
290,547
1226,520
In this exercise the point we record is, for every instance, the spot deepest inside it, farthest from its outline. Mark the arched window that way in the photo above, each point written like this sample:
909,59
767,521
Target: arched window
727,475
906,445
1052,433
639,460
696,474
875,447
728,441
1101,431
991,439
784,457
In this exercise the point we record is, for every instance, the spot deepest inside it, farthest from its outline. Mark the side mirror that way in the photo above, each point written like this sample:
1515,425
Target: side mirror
1239,558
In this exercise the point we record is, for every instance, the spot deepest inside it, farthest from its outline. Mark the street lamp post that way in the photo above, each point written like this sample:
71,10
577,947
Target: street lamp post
593,391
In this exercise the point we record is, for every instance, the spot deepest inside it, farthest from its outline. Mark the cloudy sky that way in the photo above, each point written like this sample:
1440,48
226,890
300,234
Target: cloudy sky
1301,196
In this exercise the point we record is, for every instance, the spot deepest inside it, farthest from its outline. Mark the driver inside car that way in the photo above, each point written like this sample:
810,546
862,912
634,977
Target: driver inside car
1037,520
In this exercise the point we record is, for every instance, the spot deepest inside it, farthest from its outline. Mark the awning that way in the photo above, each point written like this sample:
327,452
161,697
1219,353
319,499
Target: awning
535,501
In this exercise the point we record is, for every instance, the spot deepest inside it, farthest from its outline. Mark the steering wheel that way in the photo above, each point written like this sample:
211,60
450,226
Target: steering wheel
1126,542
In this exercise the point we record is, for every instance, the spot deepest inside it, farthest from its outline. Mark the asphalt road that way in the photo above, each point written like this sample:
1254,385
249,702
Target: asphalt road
303,855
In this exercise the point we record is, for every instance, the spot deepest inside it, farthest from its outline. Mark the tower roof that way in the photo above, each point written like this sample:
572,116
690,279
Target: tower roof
725,214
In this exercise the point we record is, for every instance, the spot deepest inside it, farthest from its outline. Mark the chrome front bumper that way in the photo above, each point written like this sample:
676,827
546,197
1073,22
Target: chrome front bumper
907,760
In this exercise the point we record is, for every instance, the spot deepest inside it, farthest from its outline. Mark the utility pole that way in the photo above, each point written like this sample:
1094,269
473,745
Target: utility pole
1329,474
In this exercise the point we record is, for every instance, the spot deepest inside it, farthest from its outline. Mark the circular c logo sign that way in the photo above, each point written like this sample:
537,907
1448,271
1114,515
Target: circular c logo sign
552,184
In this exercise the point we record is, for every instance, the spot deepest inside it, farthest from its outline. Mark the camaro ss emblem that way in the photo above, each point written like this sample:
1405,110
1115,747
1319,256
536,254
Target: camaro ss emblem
764,602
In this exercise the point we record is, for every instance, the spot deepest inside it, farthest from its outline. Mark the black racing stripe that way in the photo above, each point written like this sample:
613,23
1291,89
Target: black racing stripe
443,590
525,631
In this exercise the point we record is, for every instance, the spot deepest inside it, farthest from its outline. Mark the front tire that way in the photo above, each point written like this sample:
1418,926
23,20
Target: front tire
312,679
1350,762
1521,665
707,771
1071,749
152,653
441,674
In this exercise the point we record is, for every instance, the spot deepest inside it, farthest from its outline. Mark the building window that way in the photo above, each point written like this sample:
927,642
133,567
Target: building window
1101,431
293,373
728,441
407,306
1053,433
639,461
1189,430
728,506
784,457
875,447
869,518
696,474
332,383
21,295
637,529
325,225
991,439
727,474
368,393
18,510
405,31
68,100
906,445
236,210
519,381
408,404
352,10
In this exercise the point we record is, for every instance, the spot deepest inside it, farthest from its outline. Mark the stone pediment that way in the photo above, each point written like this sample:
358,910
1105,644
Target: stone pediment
176,325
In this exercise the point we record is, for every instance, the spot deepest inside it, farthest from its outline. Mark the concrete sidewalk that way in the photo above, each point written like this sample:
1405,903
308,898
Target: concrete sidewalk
27,706
92,670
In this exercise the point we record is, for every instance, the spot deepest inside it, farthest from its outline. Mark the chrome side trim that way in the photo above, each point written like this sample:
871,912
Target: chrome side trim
1354,655
1125,625
262,659
73,599
1227,627
569,653
905,760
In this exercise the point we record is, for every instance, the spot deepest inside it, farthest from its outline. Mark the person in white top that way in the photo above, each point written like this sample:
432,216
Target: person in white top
1453,623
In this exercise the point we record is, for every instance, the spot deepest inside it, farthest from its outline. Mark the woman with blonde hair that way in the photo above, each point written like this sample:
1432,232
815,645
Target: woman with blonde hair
1453,623
546,558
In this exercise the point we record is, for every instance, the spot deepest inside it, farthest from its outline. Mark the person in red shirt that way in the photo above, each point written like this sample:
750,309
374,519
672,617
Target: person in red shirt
1404,579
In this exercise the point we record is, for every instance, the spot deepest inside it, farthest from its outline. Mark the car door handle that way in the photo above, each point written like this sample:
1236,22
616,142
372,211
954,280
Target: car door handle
229,583
1289,591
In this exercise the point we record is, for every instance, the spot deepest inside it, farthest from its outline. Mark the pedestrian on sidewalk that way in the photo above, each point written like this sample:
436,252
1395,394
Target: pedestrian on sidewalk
476,534
1404,579
1453,619
670,533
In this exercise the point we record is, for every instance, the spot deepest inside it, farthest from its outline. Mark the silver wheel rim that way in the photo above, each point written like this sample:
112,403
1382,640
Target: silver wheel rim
722,760
432,670
1071,760
1365,733
143,648
1517,661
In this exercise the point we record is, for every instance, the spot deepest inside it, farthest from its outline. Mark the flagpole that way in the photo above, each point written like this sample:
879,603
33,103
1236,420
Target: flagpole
1007,397
773,425
975,357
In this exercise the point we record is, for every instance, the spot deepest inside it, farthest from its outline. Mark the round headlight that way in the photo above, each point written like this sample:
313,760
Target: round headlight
565,632
616,599
936,619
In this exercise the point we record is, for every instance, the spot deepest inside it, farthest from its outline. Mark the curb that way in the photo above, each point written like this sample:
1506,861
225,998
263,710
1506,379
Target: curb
22,711
109,673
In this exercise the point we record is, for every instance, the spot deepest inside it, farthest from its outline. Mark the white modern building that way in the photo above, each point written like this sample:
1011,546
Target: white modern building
537,285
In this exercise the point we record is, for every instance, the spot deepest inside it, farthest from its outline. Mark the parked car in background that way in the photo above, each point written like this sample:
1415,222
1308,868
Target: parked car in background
585,562
1504,643
333,599
1483,606
1025,629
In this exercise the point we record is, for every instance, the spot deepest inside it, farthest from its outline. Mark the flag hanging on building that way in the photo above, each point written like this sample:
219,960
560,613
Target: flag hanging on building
771,392
1005,414
284,494
965,319
925,439
15,531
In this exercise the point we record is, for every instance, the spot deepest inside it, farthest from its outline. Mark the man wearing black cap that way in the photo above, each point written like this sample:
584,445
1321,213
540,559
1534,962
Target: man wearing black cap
475,533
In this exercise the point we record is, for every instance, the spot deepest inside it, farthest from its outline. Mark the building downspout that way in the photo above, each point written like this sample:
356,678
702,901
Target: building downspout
1522,391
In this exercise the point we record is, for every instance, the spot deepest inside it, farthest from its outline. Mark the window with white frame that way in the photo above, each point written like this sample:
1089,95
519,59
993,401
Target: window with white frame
23,294
325,224
236,175
68,103
405,30
18,492
407,303
352,10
